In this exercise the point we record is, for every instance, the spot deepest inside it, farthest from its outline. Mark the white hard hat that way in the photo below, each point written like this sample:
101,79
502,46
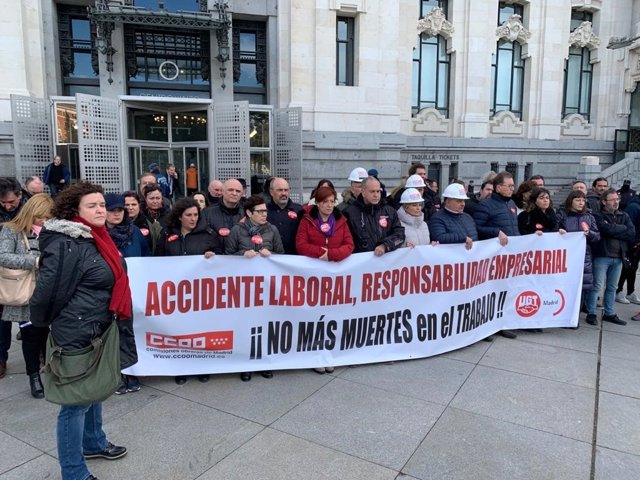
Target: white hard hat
415,181
455,190
357,175
411,195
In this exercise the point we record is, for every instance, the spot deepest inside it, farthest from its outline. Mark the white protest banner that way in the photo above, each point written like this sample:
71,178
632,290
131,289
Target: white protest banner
231,314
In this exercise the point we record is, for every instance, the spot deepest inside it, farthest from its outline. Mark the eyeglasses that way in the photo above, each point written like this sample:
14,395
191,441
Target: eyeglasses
261,212
511,186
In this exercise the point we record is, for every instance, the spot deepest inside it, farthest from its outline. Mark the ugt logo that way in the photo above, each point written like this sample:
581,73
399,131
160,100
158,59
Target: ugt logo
527,304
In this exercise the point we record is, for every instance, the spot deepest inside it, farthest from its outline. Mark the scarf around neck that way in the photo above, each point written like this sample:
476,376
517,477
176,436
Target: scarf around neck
120,303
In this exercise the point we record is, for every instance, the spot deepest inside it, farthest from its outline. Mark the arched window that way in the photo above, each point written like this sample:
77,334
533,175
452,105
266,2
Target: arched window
508,68
431,66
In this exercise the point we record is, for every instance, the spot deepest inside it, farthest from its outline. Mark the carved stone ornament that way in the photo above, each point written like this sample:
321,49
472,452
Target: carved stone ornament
505,123
431,120
575,125
435,23
513,30
583,36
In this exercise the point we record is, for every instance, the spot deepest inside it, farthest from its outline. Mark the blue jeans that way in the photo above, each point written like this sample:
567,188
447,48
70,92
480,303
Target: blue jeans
606,271
79,431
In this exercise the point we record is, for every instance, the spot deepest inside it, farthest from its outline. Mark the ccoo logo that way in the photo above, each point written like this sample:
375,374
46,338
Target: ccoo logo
527,304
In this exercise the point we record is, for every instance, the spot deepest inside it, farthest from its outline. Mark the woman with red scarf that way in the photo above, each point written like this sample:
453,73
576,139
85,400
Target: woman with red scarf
82,287
324,233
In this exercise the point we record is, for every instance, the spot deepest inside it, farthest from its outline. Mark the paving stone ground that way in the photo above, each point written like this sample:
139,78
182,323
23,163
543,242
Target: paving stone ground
562,404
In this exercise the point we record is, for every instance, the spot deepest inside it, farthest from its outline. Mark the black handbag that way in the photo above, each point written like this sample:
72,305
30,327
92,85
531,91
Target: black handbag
84,376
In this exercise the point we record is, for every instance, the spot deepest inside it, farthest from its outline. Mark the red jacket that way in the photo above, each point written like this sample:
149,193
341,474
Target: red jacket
310,240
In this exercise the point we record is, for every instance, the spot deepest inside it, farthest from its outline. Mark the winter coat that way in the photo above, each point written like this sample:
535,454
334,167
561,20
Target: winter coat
65,173
616,232
416,230
432,203
633,210
286,220
593,201
495,214
573,222
536,219
310,240
221,219
156,226
239,241
449,227
150,230
73,290
373,225
14,254
134,244
202,239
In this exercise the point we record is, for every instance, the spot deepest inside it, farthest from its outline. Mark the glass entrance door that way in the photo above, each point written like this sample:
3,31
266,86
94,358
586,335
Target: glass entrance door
141,157
188,157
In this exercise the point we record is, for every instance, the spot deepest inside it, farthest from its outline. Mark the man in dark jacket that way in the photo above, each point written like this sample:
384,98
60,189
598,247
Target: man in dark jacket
432,201
56,175
616,231
222,217
375,228
451,224
12,199
599,185
485,191
626,194
284,214
497,216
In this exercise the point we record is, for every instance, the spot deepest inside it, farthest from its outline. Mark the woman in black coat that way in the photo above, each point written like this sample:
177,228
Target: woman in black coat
154,214
81,289
188,234
574,217
539,216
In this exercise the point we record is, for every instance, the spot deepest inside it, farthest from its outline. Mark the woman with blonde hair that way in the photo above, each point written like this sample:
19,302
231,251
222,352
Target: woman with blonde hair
19,250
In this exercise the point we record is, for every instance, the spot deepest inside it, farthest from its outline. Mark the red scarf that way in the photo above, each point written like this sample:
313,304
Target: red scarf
120,303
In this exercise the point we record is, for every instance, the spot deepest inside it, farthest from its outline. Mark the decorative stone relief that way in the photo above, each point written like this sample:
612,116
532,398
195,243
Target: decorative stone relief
348,6
431,120
587,5
506,123
575,125
435,23
513,30
583,36
632,68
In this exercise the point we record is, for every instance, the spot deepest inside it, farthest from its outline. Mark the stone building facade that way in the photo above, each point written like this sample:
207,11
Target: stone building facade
464,86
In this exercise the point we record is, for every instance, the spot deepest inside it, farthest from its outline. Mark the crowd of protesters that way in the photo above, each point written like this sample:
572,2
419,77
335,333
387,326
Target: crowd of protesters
154,221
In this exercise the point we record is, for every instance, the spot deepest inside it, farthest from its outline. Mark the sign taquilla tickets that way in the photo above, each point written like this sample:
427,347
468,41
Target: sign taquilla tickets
231,314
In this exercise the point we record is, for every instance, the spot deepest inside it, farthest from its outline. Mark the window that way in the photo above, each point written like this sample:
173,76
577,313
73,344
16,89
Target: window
78,55
260,148
431,64
578,73
431,67
344,51
167,62
250,61
427,5
507,66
